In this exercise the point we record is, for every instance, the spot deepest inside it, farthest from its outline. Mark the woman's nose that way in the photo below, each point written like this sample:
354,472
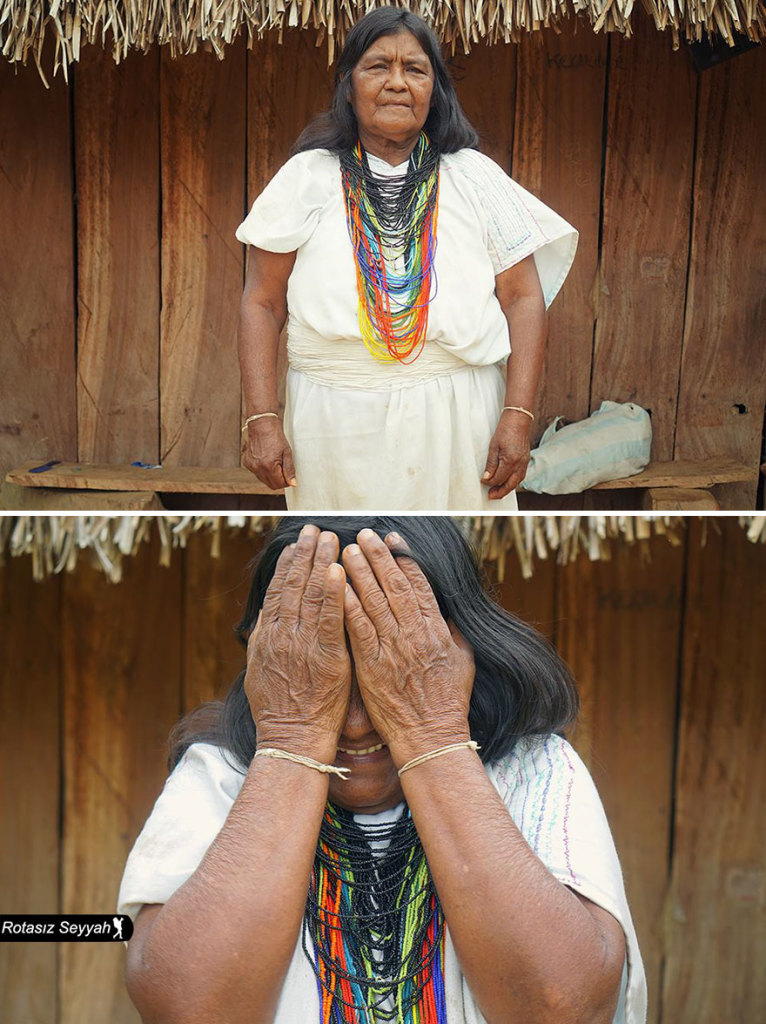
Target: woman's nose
358,724
396,77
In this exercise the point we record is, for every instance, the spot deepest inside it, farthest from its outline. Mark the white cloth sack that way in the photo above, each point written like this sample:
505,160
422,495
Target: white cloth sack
544,785
614,442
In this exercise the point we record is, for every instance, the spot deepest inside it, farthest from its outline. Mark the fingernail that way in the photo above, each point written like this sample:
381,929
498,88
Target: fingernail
486,476
335,571
366,534
394,538
353,549
292,483
308,530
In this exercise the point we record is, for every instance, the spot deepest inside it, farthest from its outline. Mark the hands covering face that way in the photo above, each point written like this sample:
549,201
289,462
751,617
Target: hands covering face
414,670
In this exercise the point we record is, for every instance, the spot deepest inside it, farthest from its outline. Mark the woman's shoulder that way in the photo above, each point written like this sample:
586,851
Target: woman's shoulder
542,759
309,163
208,766
475,166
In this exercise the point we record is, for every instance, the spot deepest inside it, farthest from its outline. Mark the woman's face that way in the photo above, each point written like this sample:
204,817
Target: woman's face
391,88
373,784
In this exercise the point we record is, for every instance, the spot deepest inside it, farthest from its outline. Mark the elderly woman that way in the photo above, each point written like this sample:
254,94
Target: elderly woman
407,266
382,822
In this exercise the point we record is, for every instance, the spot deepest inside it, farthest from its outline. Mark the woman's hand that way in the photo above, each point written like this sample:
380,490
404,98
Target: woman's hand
415,672
508,455
298,677
268,454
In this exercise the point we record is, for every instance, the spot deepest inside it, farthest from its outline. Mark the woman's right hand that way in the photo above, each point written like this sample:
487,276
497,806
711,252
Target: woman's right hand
298,677
268,454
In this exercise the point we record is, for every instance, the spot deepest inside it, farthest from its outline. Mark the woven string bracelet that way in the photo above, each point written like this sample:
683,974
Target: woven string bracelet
308,762
518,408
470,744
257,416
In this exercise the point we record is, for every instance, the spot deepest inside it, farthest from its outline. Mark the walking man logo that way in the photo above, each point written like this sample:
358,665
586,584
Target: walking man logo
117,922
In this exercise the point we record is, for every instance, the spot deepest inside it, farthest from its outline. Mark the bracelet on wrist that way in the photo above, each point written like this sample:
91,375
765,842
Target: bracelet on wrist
463,745
258,416
519,408
307,762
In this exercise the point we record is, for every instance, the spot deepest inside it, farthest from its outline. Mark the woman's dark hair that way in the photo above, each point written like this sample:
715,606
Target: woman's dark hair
336,129
522,687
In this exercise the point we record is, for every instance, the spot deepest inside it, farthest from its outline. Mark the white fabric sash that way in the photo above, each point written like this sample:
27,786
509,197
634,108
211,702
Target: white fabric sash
346,363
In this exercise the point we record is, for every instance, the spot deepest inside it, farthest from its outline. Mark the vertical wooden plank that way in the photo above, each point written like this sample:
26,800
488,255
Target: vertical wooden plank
121,679
280,105
203,161
619,630
557,155
723,373
645,242
716,932
29,784
485,80
37,354
215,594
116,113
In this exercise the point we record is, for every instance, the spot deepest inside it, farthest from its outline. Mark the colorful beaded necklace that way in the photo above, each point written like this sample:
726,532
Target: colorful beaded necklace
393,218
373,928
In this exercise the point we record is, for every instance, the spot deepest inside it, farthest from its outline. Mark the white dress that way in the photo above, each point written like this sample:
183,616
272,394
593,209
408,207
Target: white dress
368,435
548,793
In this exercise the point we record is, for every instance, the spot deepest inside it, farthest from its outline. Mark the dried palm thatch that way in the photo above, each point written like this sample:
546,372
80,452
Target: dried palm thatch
126,25
56,543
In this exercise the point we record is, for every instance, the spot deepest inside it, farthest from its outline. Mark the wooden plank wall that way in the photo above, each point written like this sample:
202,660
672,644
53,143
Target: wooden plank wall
668,647
126,193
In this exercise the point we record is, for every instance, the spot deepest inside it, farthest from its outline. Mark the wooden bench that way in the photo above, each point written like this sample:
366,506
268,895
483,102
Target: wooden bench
667,485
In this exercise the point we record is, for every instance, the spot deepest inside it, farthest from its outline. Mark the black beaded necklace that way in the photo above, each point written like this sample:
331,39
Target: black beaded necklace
392,217
373,927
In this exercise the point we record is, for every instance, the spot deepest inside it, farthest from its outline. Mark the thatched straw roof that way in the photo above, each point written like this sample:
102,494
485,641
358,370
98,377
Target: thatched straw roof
57,542
139,24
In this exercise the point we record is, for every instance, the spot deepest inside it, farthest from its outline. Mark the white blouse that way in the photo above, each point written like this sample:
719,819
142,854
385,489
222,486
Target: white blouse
548,793
486,223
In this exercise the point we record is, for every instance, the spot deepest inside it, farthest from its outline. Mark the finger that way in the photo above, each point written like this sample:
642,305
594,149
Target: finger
274,592
388,572
298,576
366,587
496,493
361,632
288,467
513,477
390,578
269,473
330,629
326,553
502,472
490,466
419,585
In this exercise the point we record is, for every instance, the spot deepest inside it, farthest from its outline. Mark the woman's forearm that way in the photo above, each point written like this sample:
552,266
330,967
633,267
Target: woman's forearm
219,949
528,947
528,325
258,343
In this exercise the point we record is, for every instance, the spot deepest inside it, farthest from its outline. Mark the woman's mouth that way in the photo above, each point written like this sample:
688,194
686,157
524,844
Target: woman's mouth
379,750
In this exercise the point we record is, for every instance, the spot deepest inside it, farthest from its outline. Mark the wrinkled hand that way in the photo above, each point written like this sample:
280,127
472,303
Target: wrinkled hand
298,676
268,454
508,455
415,672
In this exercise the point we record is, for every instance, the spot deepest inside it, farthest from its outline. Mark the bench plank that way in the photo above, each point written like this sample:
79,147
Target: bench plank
169,479
236,480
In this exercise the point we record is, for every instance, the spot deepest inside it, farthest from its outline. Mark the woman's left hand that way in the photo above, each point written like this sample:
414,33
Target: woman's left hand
508,455
414,670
